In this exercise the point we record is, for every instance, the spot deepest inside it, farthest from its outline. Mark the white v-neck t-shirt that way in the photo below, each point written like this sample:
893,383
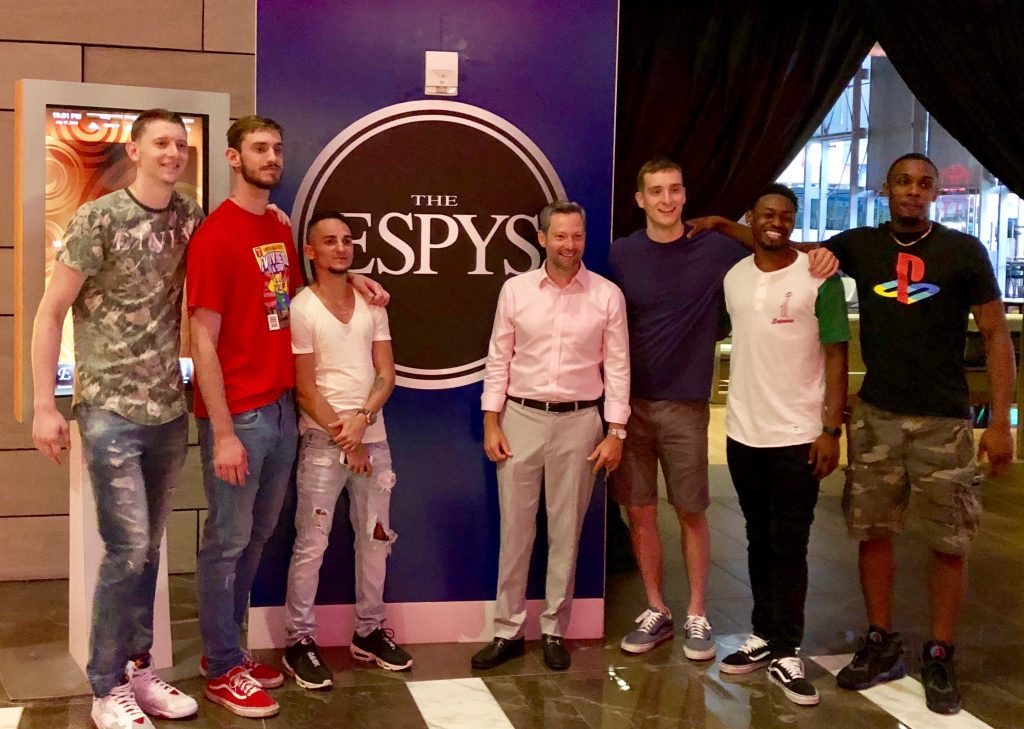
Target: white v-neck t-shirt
342,353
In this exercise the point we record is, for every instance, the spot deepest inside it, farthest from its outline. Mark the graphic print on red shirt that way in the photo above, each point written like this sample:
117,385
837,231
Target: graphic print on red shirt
273,262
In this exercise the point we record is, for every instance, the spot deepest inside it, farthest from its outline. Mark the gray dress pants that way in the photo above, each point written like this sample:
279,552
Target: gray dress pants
548,448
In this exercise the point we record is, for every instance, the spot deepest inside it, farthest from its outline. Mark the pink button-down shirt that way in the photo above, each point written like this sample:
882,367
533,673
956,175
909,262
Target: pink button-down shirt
552,344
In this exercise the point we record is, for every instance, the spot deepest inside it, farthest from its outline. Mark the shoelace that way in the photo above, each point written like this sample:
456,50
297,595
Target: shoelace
387,635
125,698
792,665
648,619
148,675
698,626
752,645
245,684
248,662
553,639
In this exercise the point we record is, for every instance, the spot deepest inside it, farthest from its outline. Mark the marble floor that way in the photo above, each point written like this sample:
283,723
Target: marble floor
607,689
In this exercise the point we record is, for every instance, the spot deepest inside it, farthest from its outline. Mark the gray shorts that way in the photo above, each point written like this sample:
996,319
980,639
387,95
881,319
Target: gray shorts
674,434
893,456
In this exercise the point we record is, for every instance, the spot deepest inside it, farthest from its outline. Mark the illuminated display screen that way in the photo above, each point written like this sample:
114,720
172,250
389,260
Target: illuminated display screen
85,160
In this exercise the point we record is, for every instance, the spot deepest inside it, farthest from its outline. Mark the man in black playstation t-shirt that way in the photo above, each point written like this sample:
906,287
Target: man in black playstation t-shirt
910,433
917,282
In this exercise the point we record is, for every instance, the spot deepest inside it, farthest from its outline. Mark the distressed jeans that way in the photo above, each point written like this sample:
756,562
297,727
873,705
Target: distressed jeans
239,522
134,470
321,479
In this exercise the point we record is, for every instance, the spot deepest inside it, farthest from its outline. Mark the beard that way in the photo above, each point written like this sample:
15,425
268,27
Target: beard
250,176
338,270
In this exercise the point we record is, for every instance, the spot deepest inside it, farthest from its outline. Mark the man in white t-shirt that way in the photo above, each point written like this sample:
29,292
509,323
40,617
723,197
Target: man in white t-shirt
344,373
787,391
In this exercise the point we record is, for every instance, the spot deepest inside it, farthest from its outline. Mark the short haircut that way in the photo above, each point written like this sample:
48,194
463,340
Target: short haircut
658,164
151,115
778,189
248,124
321,215
915,156
560,207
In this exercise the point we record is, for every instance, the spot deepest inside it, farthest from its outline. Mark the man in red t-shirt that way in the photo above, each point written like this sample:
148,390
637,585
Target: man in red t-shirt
242,272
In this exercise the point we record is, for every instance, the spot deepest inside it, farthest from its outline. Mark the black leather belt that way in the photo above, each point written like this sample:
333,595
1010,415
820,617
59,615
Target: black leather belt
555,407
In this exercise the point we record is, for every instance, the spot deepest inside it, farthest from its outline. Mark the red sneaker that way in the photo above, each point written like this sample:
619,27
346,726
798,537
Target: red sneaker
263,674
239,693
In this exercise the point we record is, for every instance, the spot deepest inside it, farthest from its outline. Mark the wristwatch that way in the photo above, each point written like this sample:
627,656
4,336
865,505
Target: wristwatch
619,433
834,432
371,417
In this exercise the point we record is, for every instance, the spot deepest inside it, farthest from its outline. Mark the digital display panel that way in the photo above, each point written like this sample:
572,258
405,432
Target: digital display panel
85,160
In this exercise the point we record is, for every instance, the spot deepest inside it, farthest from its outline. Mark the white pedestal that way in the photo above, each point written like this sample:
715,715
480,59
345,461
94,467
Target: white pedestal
86,552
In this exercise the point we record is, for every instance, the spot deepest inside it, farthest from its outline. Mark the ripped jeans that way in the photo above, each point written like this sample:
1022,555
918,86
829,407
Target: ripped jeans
134,470
321,479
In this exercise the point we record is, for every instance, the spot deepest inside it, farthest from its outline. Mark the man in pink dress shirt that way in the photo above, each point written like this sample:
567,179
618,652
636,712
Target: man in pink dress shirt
559,342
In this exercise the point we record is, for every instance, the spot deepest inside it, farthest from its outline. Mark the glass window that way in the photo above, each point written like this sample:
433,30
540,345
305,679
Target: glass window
839,173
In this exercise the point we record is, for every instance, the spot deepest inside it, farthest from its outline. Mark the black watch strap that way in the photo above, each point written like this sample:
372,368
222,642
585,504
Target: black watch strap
834,432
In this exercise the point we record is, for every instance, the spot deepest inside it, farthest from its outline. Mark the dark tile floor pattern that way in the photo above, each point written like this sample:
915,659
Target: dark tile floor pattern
609,690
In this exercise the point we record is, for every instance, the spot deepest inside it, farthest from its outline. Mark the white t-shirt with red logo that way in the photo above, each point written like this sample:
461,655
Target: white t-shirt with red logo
780,320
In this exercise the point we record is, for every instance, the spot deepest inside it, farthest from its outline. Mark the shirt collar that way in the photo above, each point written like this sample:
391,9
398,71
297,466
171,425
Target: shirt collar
581,279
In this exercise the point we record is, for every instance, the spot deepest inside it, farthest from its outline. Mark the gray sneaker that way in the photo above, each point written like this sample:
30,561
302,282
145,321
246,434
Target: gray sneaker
700,643
654,627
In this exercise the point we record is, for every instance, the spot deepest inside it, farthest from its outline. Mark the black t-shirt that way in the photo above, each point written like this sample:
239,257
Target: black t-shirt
914,303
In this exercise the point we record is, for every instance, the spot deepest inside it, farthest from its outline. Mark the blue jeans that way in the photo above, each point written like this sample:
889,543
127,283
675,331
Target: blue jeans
239,522
134,470
321,479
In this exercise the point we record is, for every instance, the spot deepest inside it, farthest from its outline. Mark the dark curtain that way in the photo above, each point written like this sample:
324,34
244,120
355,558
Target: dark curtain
730,91
965,62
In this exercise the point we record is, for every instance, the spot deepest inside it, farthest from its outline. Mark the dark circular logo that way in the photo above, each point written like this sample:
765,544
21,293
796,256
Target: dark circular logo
443,200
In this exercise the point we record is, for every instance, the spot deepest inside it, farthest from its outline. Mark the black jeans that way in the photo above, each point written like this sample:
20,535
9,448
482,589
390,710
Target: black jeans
777,493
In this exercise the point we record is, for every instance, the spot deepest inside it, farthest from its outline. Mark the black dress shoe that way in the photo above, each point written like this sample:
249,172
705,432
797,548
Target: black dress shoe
556,657
499,651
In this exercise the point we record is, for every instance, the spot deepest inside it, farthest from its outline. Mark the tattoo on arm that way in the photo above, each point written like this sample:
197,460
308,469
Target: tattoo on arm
378,385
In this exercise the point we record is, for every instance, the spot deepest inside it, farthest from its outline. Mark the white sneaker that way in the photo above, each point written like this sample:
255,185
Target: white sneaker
118,710
158,698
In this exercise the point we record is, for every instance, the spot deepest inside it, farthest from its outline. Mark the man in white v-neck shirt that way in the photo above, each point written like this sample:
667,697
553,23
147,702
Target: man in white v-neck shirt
344,373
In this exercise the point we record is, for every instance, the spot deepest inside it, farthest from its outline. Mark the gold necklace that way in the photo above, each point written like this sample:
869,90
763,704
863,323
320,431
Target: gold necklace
916,240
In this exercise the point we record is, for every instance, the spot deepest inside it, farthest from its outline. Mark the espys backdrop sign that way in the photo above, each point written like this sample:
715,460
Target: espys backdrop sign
443,196
433,235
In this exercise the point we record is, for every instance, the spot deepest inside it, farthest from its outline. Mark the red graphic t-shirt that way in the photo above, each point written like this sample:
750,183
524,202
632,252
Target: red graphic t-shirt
244,267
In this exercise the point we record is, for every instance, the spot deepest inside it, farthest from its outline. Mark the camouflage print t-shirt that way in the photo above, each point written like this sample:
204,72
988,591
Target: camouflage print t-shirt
127,317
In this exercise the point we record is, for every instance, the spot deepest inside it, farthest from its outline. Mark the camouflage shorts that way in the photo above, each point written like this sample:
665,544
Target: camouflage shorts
892,456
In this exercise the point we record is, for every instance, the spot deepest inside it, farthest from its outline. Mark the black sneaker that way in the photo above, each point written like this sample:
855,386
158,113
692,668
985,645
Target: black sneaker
378,646
939,678
556,657
752,655
497,652
879,660
788,674
303,662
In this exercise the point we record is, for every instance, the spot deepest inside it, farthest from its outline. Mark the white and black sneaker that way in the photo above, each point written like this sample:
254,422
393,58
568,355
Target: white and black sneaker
379,646
303,662
752,655
788,674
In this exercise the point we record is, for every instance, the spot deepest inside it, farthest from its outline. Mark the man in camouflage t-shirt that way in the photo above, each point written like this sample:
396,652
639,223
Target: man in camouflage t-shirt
121,271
